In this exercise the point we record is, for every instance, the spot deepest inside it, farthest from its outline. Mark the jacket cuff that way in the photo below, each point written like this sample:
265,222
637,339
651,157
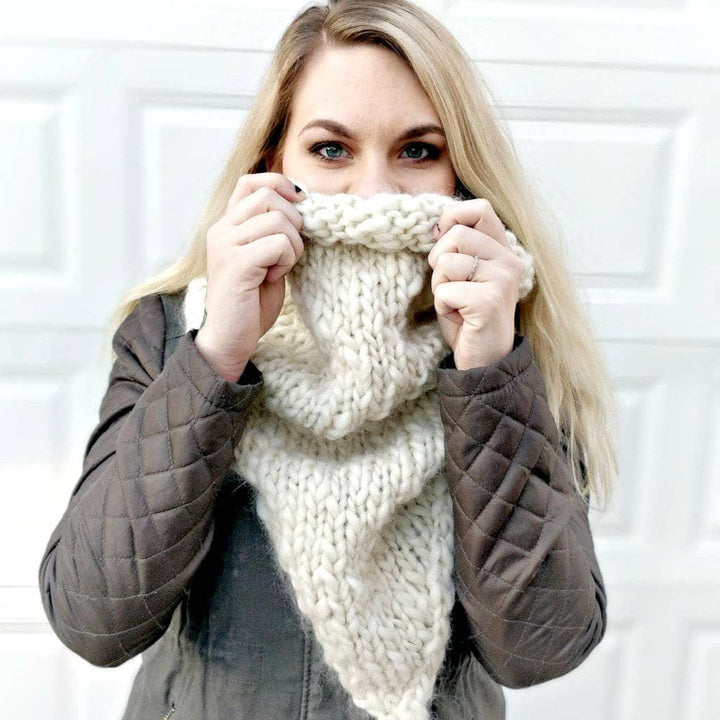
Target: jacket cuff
209,384
485,378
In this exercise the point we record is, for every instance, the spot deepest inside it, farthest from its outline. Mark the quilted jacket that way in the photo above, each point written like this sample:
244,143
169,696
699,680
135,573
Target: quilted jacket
160,551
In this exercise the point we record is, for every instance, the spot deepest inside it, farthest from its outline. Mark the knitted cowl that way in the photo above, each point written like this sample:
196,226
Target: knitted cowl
346,447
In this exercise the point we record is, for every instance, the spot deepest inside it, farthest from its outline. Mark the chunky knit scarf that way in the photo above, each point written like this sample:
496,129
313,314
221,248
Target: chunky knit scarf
346,448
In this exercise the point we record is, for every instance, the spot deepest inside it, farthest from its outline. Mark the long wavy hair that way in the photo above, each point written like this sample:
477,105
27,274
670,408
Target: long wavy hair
486,165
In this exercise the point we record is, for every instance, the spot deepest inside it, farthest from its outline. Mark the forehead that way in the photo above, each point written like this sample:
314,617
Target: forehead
360,84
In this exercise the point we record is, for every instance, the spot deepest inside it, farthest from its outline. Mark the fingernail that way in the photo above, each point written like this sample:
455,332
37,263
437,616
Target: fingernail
436,229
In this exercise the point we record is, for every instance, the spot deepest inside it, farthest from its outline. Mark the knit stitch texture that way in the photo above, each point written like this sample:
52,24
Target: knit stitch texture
346,447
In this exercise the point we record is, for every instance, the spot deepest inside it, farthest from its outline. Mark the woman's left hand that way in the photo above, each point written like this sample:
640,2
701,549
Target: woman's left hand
477,317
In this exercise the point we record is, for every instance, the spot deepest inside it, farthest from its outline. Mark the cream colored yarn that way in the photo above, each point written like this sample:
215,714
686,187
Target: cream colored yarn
346,448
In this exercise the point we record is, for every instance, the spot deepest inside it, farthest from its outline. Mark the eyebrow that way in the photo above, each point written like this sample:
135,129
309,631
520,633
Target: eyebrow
340,129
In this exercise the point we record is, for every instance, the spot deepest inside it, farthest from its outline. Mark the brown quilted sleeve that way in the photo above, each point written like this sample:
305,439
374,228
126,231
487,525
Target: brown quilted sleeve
140,519
526,571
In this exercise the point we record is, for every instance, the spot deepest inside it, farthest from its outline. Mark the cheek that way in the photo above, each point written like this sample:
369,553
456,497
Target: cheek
447,180
297,165
318,183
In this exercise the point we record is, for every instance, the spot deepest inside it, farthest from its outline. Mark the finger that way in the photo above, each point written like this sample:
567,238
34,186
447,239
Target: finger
247,184
462,301
455,267
263,200
444,309
273,250
259,227
478,214
462,239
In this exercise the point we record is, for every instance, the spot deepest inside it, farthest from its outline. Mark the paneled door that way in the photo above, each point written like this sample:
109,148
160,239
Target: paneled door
115,120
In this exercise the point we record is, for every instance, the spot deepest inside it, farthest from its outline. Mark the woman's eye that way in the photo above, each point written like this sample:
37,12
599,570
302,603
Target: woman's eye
418,152
333,149
416,149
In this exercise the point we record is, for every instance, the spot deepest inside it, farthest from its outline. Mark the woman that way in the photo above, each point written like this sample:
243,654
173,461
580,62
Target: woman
288,514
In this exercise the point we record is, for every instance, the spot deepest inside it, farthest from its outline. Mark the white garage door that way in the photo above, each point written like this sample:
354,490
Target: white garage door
115,118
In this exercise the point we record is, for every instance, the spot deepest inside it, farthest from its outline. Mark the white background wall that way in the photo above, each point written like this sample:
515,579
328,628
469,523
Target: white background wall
114,119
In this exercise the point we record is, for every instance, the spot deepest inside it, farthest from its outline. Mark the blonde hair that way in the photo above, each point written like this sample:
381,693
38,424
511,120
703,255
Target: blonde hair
486,164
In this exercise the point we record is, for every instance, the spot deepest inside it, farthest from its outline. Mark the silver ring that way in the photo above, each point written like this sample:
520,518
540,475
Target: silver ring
476,262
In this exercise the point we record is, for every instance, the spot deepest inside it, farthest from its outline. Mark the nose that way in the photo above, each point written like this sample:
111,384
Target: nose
371,177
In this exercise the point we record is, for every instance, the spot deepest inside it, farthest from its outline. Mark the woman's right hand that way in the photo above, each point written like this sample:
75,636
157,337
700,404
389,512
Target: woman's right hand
249,251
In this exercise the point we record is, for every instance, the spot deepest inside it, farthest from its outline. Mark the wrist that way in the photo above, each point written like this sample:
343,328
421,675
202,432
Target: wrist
488,356
231,371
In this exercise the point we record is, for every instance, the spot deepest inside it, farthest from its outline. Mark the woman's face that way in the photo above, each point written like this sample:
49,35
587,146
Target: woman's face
361,123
